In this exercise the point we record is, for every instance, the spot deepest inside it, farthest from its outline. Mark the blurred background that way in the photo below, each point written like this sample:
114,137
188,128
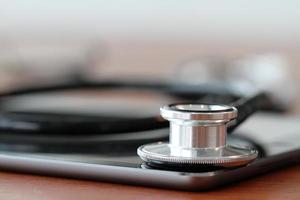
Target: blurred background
253,43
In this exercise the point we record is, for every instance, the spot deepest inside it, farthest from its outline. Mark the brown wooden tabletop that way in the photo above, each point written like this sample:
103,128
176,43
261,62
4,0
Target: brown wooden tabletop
283,184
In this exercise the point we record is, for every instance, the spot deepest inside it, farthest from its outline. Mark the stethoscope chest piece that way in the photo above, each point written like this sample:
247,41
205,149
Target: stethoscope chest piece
197,138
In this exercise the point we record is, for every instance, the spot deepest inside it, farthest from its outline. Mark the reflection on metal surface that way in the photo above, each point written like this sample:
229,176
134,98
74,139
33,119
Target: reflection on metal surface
197,136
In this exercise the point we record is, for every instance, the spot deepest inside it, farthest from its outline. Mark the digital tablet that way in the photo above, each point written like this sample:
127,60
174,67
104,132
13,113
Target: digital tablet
277,138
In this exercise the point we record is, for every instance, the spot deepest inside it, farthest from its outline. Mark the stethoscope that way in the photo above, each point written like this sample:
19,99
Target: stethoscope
197,133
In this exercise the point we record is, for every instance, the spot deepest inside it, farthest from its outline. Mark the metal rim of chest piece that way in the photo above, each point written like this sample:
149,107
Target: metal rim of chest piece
197,137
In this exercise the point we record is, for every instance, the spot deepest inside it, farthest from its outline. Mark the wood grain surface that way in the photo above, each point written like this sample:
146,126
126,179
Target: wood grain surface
283,184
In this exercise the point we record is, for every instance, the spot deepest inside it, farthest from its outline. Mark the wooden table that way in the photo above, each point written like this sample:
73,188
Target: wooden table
283,184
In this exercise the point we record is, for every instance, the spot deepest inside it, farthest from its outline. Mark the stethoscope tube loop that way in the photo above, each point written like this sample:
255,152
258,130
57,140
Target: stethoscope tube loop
54,124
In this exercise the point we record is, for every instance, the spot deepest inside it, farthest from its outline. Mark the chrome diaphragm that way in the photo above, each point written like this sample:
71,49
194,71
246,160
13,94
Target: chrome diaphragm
198,135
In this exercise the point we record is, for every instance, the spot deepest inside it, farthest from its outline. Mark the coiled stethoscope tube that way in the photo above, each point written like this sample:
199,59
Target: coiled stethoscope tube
63,130
61,124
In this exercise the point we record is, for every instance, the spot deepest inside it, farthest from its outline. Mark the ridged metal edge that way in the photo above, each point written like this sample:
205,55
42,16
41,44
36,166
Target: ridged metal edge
148,158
